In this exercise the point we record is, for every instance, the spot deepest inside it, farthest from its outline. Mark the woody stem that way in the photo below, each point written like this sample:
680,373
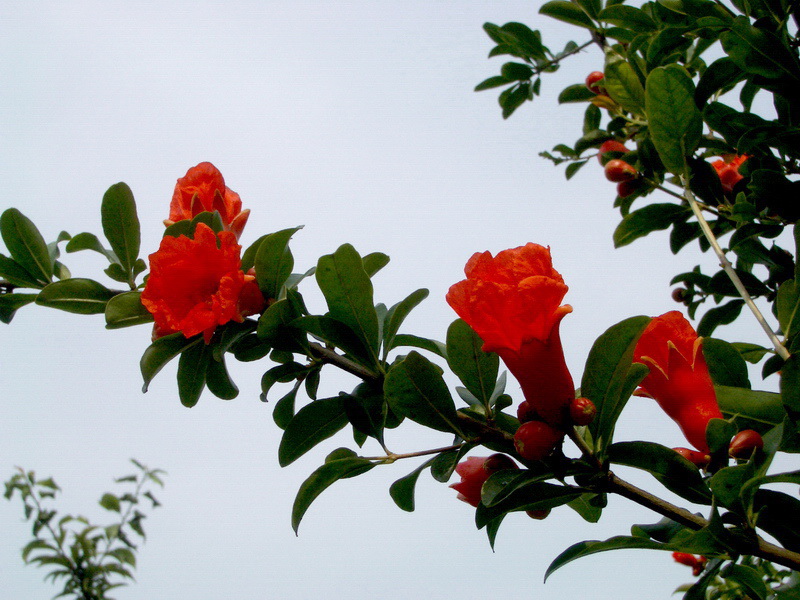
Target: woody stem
728,268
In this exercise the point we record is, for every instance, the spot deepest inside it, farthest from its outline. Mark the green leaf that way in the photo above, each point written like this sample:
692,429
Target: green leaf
575,93
397,314
160,352
476,369
126,310
584,507
535,496
26,245
675,122
760,410
651,218
415,341
748,578
11,303
402,490
80,296
721,315
336,333
88,241
788,307
121,224
720,74
219,381
192,368
758,52
321,479
13,272
414,388
725,364
374,262
110,502
445,463
675,472
628,17
623,84
274,262
312,424
348,292
567,12
581,549
492,82
610,376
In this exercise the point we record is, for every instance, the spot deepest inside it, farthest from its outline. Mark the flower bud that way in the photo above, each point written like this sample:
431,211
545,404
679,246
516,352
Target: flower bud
698,459
535,440
744,442
538,514
582,411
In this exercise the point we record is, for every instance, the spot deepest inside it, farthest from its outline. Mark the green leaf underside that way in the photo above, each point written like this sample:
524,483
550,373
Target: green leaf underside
311,425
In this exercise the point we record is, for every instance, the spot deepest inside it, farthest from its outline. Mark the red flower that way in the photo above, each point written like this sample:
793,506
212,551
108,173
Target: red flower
513,302
203,189
728,171
195,285
475,471
690,560
678,379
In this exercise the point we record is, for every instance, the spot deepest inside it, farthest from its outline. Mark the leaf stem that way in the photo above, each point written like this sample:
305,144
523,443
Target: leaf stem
391,456
728,268
327,355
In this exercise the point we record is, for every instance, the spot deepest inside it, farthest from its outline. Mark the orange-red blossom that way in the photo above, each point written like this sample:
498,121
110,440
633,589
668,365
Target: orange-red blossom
679,379
728,171
513,302
203,189
197,284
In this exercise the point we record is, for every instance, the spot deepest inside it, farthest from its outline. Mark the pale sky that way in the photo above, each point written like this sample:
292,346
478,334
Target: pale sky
358,120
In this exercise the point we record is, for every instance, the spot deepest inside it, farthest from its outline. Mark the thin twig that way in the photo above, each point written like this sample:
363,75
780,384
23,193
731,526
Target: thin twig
728,268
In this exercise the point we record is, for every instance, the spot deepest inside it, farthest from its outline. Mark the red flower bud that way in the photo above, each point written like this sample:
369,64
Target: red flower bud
538,514
535,440
610,146
626,188
525,412
618,170
592,82
698,459
582,411
475,471
744,442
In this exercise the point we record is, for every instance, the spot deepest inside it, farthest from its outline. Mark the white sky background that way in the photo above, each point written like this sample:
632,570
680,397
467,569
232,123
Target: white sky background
358,120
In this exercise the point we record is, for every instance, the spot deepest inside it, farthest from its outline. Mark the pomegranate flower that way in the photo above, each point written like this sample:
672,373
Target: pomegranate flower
196,285
679,379
728,171
513,302
203,189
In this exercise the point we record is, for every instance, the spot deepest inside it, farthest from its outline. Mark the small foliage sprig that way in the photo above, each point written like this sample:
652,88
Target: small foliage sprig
90,559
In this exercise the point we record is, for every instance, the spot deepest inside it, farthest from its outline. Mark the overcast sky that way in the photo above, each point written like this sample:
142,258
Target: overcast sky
358,120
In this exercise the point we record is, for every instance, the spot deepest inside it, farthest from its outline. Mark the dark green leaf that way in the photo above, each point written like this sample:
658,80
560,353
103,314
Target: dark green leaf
274,262
11,303
321,479
402,490
788,307
675,472
397,314
673,118
88,241
414,388
567,12
491,82
160,352
536,496
575,93
623,85
311,425
758,52
125,310
748,578
80,296
337,334
581,549
476,369
414,341
721,315
584,507
725,364
192,368
110,502
759,410
628,17
13,272
121,224
651,218
348,291
610,377
219,381
374,262
26,245
720,74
